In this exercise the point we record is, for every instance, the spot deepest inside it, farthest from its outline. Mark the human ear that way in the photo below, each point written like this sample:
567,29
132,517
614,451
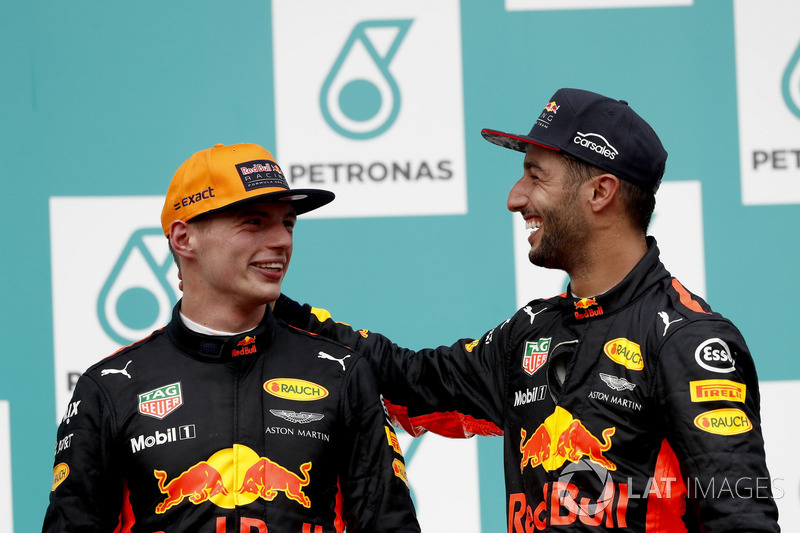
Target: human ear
179,238
604,189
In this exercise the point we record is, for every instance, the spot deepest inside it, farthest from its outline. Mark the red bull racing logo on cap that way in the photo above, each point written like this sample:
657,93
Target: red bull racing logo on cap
261,173
561,438
160,402
215,480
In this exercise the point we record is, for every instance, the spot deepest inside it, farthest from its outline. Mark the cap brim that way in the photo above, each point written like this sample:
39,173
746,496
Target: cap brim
303,200
513,141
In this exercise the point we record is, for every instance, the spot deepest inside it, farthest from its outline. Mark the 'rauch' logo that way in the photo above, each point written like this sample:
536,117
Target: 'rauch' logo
360,98
137,296
790,85
295,389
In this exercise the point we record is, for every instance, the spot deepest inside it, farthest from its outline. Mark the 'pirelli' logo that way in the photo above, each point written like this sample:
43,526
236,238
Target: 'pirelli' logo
708,390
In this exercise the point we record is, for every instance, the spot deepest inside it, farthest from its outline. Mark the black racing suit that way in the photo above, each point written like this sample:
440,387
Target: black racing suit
273,430
636,410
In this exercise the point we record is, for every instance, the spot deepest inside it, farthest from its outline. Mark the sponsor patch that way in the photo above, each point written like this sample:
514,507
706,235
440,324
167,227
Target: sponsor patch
714,355
391,436
708,390
625,352
522,397
400,470
297,418
295,389
162,401
261,173
535,355
60,473
245,346
724,422
471,346
616,383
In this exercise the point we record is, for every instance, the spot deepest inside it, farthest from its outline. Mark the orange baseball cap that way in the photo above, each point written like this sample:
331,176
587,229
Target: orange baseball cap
223,176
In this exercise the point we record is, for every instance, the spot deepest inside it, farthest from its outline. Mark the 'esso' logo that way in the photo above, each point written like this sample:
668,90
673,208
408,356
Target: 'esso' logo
714,355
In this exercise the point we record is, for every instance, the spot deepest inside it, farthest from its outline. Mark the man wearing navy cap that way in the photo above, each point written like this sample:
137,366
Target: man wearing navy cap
227,419
626,403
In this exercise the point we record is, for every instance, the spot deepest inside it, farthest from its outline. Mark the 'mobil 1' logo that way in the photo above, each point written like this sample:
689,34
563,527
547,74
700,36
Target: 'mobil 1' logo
360,98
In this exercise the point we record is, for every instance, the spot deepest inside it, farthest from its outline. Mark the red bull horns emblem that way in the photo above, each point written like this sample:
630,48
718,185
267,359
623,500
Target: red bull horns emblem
561,438
585,308
245,346
213,480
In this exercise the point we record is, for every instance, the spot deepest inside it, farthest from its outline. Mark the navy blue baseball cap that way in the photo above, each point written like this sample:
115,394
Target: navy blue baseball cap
598,130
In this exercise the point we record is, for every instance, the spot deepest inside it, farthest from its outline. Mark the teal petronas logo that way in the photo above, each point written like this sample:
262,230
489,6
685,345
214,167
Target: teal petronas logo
137,298
790,85
360,98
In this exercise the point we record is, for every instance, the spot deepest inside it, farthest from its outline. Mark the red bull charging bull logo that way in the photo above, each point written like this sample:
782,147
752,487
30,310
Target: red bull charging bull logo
561,438
586,308
213,480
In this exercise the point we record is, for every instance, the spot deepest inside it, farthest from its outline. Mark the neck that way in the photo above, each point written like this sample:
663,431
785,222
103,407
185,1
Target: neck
222,316
609,260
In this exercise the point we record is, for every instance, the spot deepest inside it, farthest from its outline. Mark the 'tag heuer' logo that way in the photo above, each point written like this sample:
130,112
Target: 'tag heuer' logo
245,346
625,352
535,355
708,390
160,402
295,389
724,422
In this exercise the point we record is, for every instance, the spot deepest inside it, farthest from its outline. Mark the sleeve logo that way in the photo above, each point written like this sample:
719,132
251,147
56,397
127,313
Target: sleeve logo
723,422
714,355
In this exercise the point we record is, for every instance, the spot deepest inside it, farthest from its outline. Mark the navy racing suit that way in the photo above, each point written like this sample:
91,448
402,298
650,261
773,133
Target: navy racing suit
272,430
636,410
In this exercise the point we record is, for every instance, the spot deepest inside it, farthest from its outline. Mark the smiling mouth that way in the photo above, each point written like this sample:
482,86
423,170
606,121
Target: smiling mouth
272,267
533,225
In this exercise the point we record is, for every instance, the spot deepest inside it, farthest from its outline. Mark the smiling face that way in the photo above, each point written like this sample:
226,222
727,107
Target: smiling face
549,201
243,253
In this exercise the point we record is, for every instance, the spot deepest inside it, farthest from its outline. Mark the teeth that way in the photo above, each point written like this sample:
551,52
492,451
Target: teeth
270,265
533,225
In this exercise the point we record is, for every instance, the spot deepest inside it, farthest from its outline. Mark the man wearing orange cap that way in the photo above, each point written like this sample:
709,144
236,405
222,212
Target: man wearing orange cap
226,419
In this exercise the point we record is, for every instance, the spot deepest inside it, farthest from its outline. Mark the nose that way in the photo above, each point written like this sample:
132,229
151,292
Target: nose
280,237
517,200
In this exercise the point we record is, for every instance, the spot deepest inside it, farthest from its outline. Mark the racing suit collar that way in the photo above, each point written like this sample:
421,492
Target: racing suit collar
219,348
638,280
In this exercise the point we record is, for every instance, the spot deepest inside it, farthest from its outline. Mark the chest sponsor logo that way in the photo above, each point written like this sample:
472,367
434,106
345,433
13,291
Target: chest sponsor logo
297,418
340,360
60,473
561,438
535,355
587,308
714,355
245,346
233,477
530,395
295,389
709,390
724,422
162,401
625,352
158,438
617,383
616,400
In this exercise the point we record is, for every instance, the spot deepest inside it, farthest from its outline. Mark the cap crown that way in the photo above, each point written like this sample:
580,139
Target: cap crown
219,177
